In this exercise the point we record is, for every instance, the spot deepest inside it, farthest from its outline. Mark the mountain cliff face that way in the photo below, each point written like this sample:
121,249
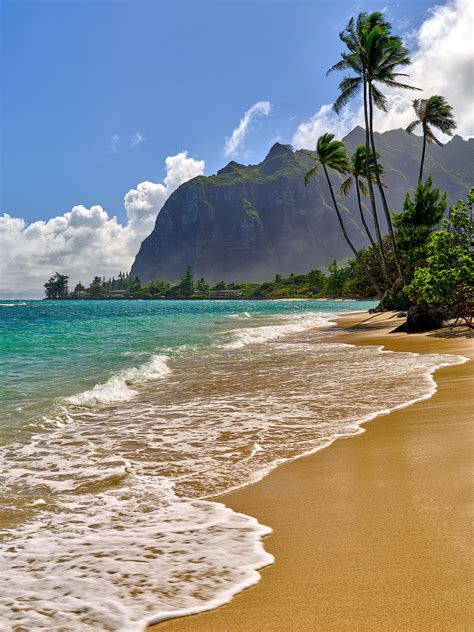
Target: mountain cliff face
252,222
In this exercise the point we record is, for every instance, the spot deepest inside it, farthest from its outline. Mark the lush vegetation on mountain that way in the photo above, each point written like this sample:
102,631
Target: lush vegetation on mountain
419,264
251,221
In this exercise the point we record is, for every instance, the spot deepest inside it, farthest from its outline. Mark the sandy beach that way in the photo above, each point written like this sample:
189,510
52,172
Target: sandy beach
373,533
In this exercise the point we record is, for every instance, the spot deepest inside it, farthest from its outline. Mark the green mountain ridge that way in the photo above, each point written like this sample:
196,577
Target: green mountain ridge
250,222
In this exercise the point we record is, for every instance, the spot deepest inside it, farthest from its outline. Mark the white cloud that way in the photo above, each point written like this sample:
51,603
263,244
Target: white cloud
325,120
86,241
144,202
239,133
443,61
114,143
137,139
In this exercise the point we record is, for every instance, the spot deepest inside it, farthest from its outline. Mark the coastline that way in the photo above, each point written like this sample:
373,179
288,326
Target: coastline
371,533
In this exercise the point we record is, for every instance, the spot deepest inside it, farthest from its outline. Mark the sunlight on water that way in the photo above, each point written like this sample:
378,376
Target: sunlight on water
122,419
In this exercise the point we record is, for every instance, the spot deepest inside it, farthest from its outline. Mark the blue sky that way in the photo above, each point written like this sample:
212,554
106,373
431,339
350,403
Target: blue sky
107,107
181,74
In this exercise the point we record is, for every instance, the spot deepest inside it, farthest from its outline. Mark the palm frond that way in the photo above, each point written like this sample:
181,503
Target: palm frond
342,64
431,138
332,153
310,174
346,186
396,84
364,188
349,87
380,100
413,125
434,112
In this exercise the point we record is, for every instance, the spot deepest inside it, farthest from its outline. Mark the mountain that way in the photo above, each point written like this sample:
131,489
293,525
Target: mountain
250,222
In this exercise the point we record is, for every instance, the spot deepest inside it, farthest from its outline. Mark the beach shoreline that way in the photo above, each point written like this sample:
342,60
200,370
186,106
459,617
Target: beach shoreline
371,533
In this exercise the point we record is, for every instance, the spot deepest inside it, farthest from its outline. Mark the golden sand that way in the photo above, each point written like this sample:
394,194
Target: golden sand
374,532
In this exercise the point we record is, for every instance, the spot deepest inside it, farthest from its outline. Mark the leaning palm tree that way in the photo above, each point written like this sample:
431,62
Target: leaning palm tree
432,112
356,176
374,54
331,154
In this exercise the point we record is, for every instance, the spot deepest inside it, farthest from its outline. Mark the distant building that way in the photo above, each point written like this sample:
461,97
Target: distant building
113,293
225,294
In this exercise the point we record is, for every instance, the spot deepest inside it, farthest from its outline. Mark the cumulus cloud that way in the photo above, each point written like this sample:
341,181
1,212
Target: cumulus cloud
238,135
137,139
87,241
143,203
325,120
443,59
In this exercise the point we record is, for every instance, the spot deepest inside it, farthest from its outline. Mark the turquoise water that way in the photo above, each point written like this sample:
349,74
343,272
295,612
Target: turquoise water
122,419
54,349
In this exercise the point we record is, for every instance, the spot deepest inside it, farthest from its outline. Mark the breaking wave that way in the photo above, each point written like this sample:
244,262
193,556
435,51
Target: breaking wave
119,386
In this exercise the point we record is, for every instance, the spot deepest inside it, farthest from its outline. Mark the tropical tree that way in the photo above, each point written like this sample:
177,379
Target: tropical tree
96,288
374,54
447,278
432,112
415,223
336,279
356,176
331,154
186,284
57,286
79,288
201,285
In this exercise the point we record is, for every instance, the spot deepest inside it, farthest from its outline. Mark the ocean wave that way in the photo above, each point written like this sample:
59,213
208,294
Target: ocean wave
13,304
123,533
286,325
118,388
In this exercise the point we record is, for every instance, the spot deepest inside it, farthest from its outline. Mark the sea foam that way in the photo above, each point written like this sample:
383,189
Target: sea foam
126,558
119,530
283,327
119,386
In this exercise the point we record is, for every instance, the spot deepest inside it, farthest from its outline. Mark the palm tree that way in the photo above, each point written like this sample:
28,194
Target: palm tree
356,175
432,112
331,154
374,55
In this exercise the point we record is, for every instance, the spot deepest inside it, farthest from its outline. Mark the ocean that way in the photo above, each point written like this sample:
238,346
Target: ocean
121,420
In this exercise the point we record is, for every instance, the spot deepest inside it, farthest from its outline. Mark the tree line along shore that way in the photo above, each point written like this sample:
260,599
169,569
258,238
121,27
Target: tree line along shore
425,262
337,282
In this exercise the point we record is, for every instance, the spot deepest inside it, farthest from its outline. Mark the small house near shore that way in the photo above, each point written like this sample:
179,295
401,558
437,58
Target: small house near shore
225,294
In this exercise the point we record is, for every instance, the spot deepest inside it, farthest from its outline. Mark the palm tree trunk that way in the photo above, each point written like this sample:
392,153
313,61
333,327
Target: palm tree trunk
422,158
379,183
346,237
362,217
368,175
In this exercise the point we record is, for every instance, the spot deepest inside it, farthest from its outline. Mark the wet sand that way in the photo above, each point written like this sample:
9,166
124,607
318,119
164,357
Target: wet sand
373,533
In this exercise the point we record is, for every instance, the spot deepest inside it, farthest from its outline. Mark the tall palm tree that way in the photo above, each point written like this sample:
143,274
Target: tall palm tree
356,176
331,154
374,54
432,112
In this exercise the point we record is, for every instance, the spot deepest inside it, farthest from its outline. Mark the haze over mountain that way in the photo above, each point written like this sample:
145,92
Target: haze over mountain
252,222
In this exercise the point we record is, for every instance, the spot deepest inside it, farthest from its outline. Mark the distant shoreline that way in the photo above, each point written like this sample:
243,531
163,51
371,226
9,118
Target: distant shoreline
109,298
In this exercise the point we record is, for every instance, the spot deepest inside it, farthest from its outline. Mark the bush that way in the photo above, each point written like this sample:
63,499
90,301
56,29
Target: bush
447,278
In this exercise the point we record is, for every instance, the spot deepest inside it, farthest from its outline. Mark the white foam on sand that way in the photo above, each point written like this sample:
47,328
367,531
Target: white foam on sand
119,540
283,327
126,558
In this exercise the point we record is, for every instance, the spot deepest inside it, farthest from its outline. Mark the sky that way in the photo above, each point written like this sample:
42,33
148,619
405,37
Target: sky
107,107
